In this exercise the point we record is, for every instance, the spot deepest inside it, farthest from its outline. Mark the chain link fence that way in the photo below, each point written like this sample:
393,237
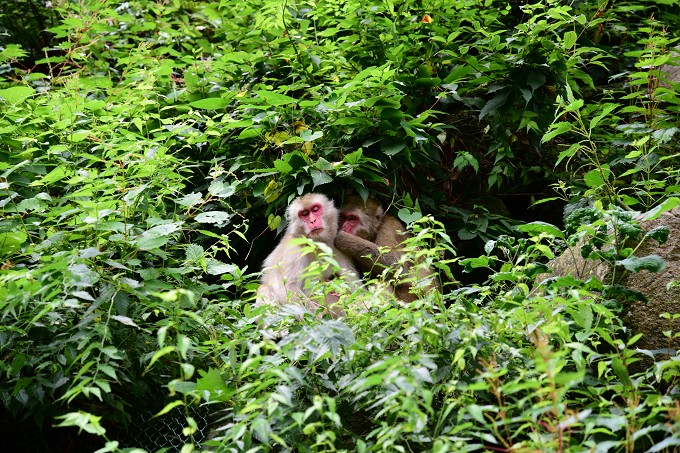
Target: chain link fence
144,431
165,432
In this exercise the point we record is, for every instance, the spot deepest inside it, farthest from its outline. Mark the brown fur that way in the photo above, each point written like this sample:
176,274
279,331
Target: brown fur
377,231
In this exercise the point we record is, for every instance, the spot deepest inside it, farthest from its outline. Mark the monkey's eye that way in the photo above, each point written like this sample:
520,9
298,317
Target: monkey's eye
303,213
315,208
351,218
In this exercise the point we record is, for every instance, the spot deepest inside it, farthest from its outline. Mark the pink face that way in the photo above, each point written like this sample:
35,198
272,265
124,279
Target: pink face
349,222
312,219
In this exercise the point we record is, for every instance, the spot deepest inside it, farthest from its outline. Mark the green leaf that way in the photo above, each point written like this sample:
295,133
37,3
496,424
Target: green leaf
55,175
273,98
597,177
83,295
217,267
652,263
665,135
220,218
391,146
160,353
190,199
665,444
349,121
210,103
11,242
409,216
194,253
150,243
535,80
79,136
15,95
251,132
569,39
660,234
273,221
606,110
221,190
168,407
477,412
309,136
108,370
165,229
555,130
667,205
213,383
83,420
427,82
465,234
536,228
282,167
464,159
621,371
601,368
320,177
492,106
124,320
391,114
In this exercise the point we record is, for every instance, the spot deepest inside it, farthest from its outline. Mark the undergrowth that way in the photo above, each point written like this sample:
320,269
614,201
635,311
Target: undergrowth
146,156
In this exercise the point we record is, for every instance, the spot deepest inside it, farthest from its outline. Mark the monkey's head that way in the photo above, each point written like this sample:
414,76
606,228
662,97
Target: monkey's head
361,219
314,216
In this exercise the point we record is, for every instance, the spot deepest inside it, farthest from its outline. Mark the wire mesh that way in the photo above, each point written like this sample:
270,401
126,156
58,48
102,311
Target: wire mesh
164,433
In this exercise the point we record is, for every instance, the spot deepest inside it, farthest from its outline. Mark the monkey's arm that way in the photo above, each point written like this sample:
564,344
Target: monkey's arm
366,254
391,233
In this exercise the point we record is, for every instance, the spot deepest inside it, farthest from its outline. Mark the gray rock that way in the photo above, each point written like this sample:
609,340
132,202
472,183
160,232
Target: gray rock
673,70
644,317
662,295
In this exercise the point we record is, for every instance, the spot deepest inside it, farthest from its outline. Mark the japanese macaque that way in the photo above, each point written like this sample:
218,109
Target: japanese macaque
283,279
373,239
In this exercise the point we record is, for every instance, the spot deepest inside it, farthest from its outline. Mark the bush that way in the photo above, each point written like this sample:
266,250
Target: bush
142,151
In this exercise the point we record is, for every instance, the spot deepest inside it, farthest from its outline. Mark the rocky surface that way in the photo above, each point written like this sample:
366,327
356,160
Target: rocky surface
663,296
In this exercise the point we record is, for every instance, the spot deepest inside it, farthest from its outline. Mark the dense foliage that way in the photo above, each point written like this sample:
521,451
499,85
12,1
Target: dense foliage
147,155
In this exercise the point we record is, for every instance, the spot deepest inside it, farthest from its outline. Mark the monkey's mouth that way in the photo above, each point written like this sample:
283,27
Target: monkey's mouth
316,230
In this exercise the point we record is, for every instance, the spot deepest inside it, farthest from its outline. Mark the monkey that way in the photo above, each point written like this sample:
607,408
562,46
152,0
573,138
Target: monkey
373,239
313,216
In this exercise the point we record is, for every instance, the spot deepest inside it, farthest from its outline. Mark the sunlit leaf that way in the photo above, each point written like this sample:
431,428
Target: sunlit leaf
665,206
124,320
221,190
273,98
217,267
14,95
220,218
320,178
11,241
189,199
83,421
211,103
537,228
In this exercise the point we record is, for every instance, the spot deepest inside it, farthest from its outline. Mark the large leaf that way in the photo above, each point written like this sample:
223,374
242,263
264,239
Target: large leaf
14,95
220,218
11,242
276,99
210,103
536,228
652,263
667,205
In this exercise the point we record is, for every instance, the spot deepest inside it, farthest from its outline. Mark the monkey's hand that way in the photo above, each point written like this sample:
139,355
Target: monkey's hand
366,254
